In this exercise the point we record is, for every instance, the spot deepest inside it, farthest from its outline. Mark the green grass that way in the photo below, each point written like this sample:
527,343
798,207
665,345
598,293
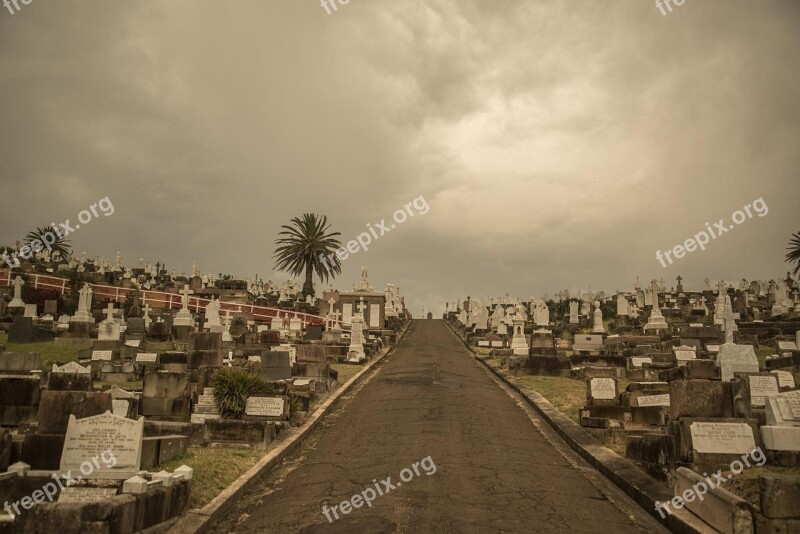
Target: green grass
215,468
49,353
346,371
482,351
567,395
761,355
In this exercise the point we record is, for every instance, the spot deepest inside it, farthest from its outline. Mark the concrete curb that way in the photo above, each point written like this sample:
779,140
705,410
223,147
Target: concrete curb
201,520
640,487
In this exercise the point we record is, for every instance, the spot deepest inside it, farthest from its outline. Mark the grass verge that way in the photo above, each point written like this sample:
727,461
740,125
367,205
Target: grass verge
215,468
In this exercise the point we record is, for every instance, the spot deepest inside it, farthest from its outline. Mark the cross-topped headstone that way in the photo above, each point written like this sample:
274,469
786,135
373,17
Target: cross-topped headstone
185,296
361,307
17,301
730,324
109,312
721,287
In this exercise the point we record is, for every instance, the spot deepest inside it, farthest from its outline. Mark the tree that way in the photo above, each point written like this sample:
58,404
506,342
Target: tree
307,246
60,245
793,256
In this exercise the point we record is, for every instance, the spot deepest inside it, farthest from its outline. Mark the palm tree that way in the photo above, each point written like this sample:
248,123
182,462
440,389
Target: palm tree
793,256
60,245
306,245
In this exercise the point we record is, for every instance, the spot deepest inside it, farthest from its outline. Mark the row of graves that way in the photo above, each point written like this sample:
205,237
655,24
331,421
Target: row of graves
176,357
76,459
676,384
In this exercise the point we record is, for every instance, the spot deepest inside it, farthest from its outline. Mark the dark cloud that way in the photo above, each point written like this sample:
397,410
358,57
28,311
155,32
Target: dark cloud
557,144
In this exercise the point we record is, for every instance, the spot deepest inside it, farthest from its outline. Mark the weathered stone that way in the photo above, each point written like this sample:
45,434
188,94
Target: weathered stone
700,398
56,407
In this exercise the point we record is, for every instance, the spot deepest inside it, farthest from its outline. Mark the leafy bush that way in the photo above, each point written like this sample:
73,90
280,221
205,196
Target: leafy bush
232,386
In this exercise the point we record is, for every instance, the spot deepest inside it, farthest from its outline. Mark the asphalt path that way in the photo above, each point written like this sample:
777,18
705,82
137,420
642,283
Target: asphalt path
435,444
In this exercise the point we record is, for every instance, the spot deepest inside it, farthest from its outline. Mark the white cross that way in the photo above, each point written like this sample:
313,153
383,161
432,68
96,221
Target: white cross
185,299
109,312
361,308
17,283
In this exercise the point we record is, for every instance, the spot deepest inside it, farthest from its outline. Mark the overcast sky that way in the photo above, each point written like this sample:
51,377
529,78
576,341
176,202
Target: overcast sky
558,144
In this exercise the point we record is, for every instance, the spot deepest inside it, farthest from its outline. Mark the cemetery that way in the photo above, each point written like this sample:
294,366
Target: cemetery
262,262
682,382
156,367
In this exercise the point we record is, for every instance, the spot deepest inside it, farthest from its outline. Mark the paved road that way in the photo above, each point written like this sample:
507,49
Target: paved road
495,469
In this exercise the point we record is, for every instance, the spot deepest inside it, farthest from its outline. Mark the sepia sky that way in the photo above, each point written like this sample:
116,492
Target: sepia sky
557,144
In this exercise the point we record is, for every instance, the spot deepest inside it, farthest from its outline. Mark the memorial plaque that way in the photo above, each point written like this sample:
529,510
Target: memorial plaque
722,438
102,355
200,418
760,387
88,438
497,343
785,379
146,357
603,389
206,400
654,400
133,343
637,362
265,406
85,495
254,359
120,407
484,344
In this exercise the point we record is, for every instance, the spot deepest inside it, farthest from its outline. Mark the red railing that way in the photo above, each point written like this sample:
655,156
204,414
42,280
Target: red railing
160,299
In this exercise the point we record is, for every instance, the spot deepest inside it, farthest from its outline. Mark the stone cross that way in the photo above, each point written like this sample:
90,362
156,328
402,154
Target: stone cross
721,287
18,283
361,307
730,324
185,296
85,298
109,312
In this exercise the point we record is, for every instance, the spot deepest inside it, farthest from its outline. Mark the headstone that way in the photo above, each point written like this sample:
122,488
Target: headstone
722,438
734,358
90,437
273,407
785,379
761,387
84,315
108,329
653,400
603,388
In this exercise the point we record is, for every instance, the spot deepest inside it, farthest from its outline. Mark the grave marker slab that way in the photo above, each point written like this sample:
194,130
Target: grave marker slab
266,406
603,388
85,495
654,400
90,437
722,438
761,387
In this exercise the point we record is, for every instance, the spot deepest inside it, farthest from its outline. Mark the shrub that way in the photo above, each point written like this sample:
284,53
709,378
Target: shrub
232,386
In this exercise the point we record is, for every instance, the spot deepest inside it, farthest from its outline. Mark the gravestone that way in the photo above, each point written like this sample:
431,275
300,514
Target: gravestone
762,387
69,377
722,437
734,358
275,365
90,437
269,408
